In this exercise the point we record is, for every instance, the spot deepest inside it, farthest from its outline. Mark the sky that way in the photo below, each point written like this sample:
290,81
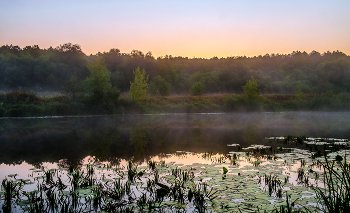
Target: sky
191,28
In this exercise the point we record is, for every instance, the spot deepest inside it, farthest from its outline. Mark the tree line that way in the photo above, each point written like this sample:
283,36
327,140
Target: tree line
33,68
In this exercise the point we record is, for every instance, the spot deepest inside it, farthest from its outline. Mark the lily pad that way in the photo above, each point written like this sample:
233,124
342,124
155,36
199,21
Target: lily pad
24,203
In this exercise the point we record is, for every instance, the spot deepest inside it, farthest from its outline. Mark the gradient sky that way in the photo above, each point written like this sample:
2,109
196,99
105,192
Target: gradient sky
191,28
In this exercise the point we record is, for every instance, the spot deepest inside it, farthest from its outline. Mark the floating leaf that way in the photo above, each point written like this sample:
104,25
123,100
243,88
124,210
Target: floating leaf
24,203
224,170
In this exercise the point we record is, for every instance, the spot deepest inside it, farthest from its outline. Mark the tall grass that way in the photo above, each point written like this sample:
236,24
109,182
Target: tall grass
335,196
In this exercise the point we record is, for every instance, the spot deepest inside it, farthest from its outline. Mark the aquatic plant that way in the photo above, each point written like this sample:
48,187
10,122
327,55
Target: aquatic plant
256,163
118,190
207,155
335,197
132,172
338,158
160,189
152,165
176,172
48,175
224,170
200,194
302,178
11,189
273,184
289,207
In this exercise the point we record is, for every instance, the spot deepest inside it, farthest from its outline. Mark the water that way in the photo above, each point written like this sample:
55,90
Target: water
177,139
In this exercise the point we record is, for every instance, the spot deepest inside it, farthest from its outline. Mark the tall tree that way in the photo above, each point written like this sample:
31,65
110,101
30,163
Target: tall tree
251,90
99,84
138,88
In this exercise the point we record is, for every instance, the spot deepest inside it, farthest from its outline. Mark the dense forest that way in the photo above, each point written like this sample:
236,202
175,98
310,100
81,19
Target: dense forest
93,84
32,68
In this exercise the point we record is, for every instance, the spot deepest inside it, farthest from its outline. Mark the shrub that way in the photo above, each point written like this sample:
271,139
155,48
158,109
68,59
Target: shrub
323,101
251,90
233,102
343,100
76,108
25,111
129,104
2,111
18,97
99,85
138,88
34,110
57,109
197,89
230,102
159,86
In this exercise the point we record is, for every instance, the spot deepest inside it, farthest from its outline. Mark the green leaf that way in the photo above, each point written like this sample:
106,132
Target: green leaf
224,170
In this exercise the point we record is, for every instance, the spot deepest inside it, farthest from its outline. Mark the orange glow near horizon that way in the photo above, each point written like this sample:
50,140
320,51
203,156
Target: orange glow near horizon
205,48
201,29
192,45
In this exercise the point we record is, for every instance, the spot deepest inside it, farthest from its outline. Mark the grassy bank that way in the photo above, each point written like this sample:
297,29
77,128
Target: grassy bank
24,104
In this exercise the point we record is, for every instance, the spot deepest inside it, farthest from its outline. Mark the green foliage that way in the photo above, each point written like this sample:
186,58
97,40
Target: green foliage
343,98
299,95
99,85
2,111
41,69
57,109
299,99
251,90
197,89
98,81
119,80
138,88
73,87
159,86
234,102
323,101
76,108
129,106
210,80
335,195
19,97
25,111
229,102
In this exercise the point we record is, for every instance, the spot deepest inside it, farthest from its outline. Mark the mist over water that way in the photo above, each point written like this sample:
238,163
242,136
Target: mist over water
203,145
68,140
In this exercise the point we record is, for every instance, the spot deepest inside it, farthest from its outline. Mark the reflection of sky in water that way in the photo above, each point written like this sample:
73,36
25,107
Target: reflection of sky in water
243,169
102,140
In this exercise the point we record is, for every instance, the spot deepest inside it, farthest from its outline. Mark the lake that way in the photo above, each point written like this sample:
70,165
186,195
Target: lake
200,145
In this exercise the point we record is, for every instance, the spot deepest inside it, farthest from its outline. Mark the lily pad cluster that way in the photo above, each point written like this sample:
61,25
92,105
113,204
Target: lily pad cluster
239,181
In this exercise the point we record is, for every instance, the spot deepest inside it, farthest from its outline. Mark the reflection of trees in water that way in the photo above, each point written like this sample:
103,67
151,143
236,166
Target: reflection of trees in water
197,136
101,141
66,163
250,134
139,139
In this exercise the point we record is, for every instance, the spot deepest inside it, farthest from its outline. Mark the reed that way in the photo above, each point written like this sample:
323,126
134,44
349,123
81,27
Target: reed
11,190
335,196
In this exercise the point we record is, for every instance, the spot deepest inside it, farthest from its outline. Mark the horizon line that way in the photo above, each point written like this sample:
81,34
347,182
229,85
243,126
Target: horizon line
179,56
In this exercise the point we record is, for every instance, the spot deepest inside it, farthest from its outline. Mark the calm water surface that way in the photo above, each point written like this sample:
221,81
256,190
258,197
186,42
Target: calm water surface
60,142
67,141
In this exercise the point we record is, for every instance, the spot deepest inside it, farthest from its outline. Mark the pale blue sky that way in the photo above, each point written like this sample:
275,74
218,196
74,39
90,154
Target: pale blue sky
186,28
